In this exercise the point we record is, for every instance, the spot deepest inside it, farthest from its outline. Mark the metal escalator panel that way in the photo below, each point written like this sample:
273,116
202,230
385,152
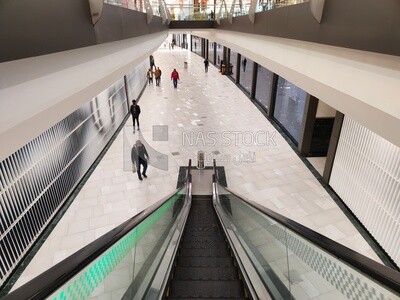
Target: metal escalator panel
292,266
205,268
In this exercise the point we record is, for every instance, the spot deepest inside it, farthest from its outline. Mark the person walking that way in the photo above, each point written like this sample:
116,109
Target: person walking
152,64
150,76
157,75
244,63
135,112
175,78
206,63
139,157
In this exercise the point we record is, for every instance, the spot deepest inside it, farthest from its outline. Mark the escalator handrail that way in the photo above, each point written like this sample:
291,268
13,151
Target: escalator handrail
189,172
382,274
50,280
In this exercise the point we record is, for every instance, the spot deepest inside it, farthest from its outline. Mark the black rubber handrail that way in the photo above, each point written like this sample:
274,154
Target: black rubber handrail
382,274
189,172
215,175
49,281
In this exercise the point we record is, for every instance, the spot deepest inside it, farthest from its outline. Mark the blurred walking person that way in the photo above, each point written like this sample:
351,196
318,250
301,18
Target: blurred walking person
206,63
175,78
135,112
150,76
139,157
157,75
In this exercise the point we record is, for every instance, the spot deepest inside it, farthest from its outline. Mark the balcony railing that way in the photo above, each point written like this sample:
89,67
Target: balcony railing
221,9
191,12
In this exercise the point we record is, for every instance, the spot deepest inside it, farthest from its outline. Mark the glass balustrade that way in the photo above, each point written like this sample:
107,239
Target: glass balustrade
138,5
291,266
221,10
126,269
191,12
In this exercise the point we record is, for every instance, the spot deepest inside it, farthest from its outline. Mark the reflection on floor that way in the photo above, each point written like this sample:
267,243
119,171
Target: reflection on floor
206,112
318,163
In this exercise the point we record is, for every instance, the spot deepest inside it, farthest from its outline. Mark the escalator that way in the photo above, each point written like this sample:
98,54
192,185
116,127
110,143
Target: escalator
205,268
219,246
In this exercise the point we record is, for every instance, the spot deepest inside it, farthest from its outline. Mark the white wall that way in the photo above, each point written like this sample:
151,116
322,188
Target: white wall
366,176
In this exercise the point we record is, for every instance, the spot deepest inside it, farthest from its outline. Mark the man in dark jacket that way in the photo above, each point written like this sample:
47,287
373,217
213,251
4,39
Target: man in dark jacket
135,112
152,62
206,63
139,157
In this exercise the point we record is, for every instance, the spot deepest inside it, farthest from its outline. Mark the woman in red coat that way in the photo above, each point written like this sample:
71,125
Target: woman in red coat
175,78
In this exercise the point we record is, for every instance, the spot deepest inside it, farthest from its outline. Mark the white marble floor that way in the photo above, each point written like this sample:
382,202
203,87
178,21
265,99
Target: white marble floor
206,112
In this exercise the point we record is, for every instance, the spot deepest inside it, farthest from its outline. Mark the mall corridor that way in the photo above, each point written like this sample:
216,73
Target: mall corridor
206,112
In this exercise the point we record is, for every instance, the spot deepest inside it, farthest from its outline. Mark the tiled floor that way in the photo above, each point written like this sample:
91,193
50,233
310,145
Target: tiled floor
206,112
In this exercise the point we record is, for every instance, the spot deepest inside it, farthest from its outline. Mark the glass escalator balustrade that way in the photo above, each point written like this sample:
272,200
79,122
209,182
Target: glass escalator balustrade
123,270
291,266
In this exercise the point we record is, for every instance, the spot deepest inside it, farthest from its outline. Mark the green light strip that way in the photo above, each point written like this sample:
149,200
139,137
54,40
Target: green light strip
83,284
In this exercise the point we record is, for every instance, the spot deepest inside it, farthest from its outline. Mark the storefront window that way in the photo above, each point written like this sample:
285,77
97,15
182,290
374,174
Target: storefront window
220,54
196,44
263,86
183,41
233,61
289,107
246,73
187,41
211,52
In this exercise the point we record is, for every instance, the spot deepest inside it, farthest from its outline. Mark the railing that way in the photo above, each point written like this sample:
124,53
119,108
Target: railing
122,262
208,12
191,12
271,4
156,8
138,5
243,8
204,12
293,261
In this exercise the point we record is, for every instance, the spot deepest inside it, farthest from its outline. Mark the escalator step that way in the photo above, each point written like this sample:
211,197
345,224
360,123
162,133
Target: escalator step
212,252
215,234
204,266
206,288
191,298
209,235
205,273
203,244
195,261
192,229
198,241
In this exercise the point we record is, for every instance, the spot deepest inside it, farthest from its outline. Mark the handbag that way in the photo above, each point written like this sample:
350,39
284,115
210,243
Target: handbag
133,167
